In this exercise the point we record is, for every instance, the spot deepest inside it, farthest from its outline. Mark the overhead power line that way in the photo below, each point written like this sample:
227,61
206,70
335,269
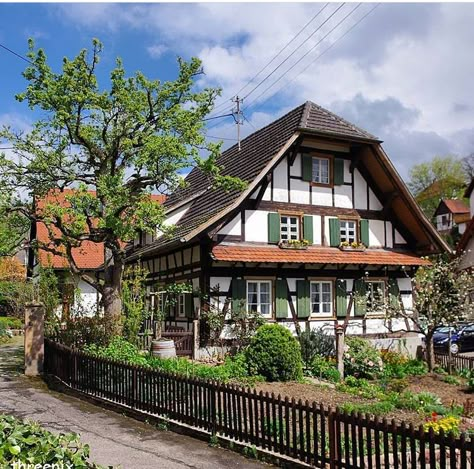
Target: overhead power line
16,54
294,52
304,55
274,57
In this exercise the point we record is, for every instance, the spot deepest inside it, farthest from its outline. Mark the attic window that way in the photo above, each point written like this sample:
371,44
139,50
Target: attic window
320,170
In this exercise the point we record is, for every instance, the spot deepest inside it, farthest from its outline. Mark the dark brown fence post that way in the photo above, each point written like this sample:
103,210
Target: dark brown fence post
214,395
332,439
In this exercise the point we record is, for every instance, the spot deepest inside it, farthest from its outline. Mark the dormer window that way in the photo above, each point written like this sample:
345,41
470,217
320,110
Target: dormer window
320,172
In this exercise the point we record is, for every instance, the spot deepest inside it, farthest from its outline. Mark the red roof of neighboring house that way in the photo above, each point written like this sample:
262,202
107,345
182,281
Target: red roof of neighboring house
313,255
89,256
456,206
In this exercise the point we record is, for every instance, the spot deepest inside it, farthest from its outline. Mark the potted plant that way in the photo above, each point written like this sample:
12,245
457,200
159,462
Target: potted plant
354,246
294,244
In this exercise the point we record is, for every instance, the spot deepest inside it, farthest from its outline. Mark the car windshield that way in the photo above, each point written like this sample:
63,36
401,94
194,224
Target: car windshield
445,330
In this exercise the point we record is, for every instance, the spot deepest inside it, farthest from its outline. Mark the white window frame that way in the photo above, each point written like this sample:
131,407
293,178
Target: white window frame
370,292
318,178
343,230
288,226
322,313
180,306
259,303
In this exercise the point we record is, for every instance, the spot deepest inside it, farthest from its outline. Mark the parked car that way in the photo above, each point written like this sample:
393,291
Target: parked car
462,338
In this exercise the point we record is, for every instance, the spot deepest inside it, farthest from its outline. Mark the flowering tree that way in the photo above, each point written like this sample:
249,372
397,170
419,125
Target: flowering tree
440,297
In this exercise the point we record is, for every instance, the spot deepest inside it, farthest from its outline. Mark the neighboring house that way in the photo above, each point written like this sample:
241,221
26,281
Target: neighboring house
465,247
451,213
311,176
90,257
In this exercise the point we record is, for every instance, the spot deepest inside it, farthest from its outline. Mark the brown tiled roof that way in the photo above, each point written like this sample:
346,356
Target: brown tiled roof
313,255
257,150
456,206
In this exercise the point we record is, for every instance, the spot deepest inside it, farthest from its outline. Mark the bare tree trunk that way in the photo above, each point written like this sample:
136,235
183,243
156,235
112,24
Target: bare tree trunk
112,294
430,355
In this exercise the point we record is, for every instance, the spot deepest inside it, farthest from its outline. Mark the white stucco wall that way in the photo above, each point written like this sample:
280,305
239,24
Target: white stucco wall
280,182
256,225
360,191
233,227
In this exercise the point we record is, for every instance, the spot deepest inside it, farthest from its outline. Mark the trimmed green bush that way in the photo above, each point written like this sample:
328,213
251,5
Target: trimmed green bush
362,359
275,354
31,444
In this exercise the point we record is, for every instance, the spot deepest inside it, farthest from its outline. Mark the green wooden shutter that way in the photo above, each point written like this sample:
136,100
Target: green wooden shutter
303,304
338,172
394,293
341,299
334,232
189,305
281,302
239,294
364,232
360,303
273,228
307,167
308,228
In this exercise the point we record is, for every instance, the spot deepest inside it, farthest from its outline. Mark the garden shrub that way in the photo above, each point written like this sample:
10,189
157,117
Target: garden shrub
423,402
375,408
362,359
361,387
31,444
470,382
396,365
397,385
315,343
233,368
451,380
10,322
324,368
275,354
5,334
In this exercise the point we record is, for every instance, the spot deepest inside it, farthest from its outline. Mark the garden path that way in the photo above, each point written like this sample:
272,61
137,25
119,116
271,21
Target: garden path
113,438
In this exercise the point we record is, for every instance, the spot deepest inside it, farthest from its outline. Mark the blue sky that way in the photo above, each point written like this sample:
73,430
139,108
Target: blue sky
404,73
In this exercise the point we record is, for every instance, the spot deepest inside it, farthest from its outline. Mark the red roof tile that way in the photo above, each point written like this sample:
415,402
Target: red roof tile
313,255
456,206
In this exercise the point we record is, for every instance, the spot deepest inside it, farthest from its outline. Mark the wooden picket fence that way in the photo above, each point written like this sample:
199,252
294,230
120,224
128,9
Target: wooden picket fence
458,362
300,431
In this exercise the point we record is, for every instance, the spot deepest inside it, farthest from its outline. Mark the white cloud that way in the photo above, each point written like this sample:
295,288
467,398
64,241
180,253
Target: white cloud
156,51
417,55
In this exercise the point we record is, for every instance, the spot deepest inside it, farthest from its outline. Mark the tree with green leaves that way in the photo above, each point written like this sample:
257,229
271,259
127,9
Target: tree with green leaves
444,177
124,141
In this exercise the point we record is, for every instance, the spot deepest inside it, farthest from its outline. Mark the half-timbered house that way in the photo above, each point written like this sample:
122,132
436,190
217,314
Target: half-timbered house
324,214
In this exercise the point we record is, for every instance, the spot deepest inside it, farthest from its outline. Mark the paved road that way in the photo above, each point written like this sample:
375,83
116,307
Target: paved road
114,439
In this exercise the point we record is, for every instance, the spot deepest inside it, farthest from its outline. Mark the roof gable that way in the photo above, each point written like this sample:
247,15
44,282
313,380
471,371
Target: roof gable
452,205
255,160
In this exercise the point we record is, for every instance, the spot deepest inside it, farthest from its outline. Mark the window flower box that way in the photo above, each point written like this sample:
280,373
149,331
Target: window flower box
357,247
294,244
